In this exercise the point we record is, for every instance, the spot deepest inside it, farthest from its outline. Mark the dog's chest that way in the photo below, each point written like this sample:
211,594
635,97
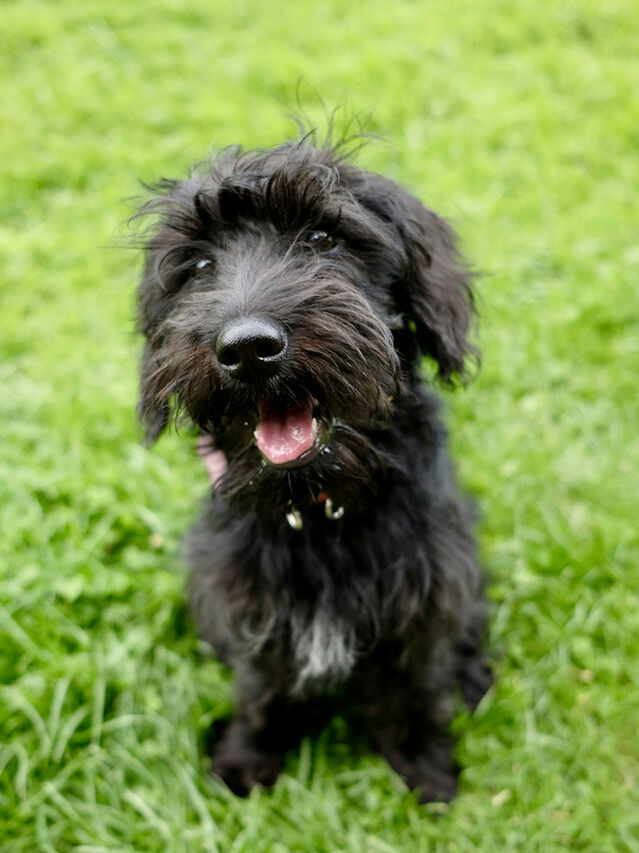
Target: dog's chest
323,649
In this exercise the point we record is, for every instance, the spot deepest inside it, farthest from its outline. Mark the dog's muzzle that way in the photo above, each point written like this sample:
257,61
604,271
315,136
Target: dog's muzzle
252,349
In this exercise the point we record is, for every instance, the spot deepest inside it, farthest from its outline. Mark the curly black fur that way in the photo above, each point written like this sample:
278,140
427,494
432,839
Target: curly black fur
384,600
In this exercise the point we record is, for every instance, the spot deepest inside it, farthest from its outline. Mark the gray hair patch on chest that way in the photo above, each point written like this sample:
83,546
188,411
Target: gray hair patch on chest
323,650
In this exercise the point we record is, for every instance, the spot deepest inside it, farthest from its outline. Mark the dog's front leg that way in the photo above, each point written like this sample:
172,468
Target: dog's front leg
406,720
250,749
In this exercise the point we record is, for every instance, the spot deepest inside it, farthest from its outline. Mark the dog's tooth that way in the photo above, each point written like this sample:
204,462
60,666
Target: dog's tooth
314,428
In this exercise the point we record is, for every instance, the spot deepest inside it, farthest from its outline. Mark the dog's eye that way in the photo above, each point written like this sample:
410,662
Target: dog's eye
321,240
202,263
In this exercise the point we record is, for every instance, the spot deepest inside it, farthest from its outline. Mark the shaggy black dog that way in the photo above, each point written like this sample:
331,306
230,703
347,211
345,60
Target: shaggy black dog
288,300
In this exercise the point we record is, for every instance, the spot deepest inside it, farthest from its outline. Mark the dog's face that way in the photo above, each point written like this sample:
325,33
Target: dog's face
287,299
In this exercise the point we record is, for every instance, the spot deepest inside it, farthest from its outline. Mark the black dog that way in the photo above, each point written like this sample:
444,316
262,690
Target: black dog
287,301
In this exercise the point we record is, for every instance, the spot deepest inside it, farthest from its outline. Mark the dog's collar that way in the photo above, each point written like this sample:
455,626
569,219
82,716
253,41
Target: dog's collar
216,465
296,521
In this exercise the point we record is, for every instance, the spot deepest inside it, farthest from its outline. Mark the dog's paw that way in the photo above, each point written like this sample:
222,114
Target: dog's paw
431,773
434,783
241,773
238,762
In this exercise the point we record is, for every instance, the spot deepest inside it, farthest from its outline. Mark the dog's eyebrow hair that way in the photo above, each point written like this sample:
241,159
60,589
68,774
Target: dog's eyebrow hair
288,199
246,201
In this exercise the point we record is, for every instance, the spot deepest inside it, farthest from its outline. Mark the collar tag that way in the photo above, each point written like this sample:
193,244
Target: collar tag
294,518
334,513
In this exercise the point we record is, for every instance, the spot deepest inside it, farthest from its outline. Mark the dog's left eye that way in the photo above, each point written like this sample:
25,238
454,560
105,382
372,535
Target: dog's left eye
203,262
321,240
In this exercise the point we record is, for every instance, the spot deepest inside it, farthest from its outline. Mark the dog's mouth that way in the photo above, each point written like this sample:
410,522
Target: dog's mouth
292,436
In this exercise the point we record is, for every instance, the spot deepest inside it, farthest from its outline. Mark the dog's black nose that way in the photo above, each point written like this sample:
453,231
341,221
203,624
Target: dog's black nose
251,347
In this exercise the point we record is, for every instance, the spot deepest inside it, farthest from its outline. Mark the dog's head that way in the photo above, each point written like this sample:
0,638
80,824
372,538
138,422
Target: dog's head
287,300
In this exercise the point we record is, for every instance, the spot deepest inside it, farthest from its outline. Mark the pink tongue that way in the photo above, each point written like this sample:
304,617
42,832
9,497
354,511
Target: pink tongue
284,438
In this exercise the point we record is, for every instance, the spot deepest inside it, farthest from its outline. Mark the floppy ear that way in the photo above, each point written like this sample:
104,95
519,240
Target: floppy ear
437,288
434,289
170,245
155,297
154,409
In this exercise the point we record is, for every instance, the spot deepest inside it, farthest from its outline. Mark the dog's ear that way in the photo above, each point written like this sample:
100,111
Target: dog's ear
437,289
153,305
154,409
434,288
181,220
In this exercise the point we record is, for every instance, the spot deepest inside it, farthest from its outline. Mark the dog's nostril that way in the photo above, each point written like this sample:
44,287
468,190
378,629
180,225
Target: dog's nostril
269,347
251,346
228,356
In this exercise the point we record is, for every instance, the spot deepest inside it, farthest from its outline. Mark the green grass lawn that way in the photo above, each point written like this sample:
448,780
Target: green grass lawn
517,120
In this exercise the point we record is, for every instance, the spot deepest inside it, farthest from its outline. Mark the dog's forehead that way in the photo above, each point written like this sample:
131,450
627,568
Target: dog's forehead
290,190
288,193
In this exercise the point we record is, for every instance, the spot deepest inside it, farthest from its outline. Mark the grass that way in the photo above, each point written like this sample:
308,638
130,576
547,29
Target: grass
517,120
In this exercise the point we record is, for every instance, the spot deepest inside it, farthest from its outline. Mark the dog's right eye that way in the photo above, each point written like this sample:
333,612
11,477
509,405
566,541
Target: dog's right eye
321,240
202,263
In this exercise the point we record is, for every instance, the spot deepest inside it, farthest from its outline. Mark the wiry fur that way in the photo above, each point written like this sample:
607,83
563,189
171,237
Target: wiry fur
385,604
